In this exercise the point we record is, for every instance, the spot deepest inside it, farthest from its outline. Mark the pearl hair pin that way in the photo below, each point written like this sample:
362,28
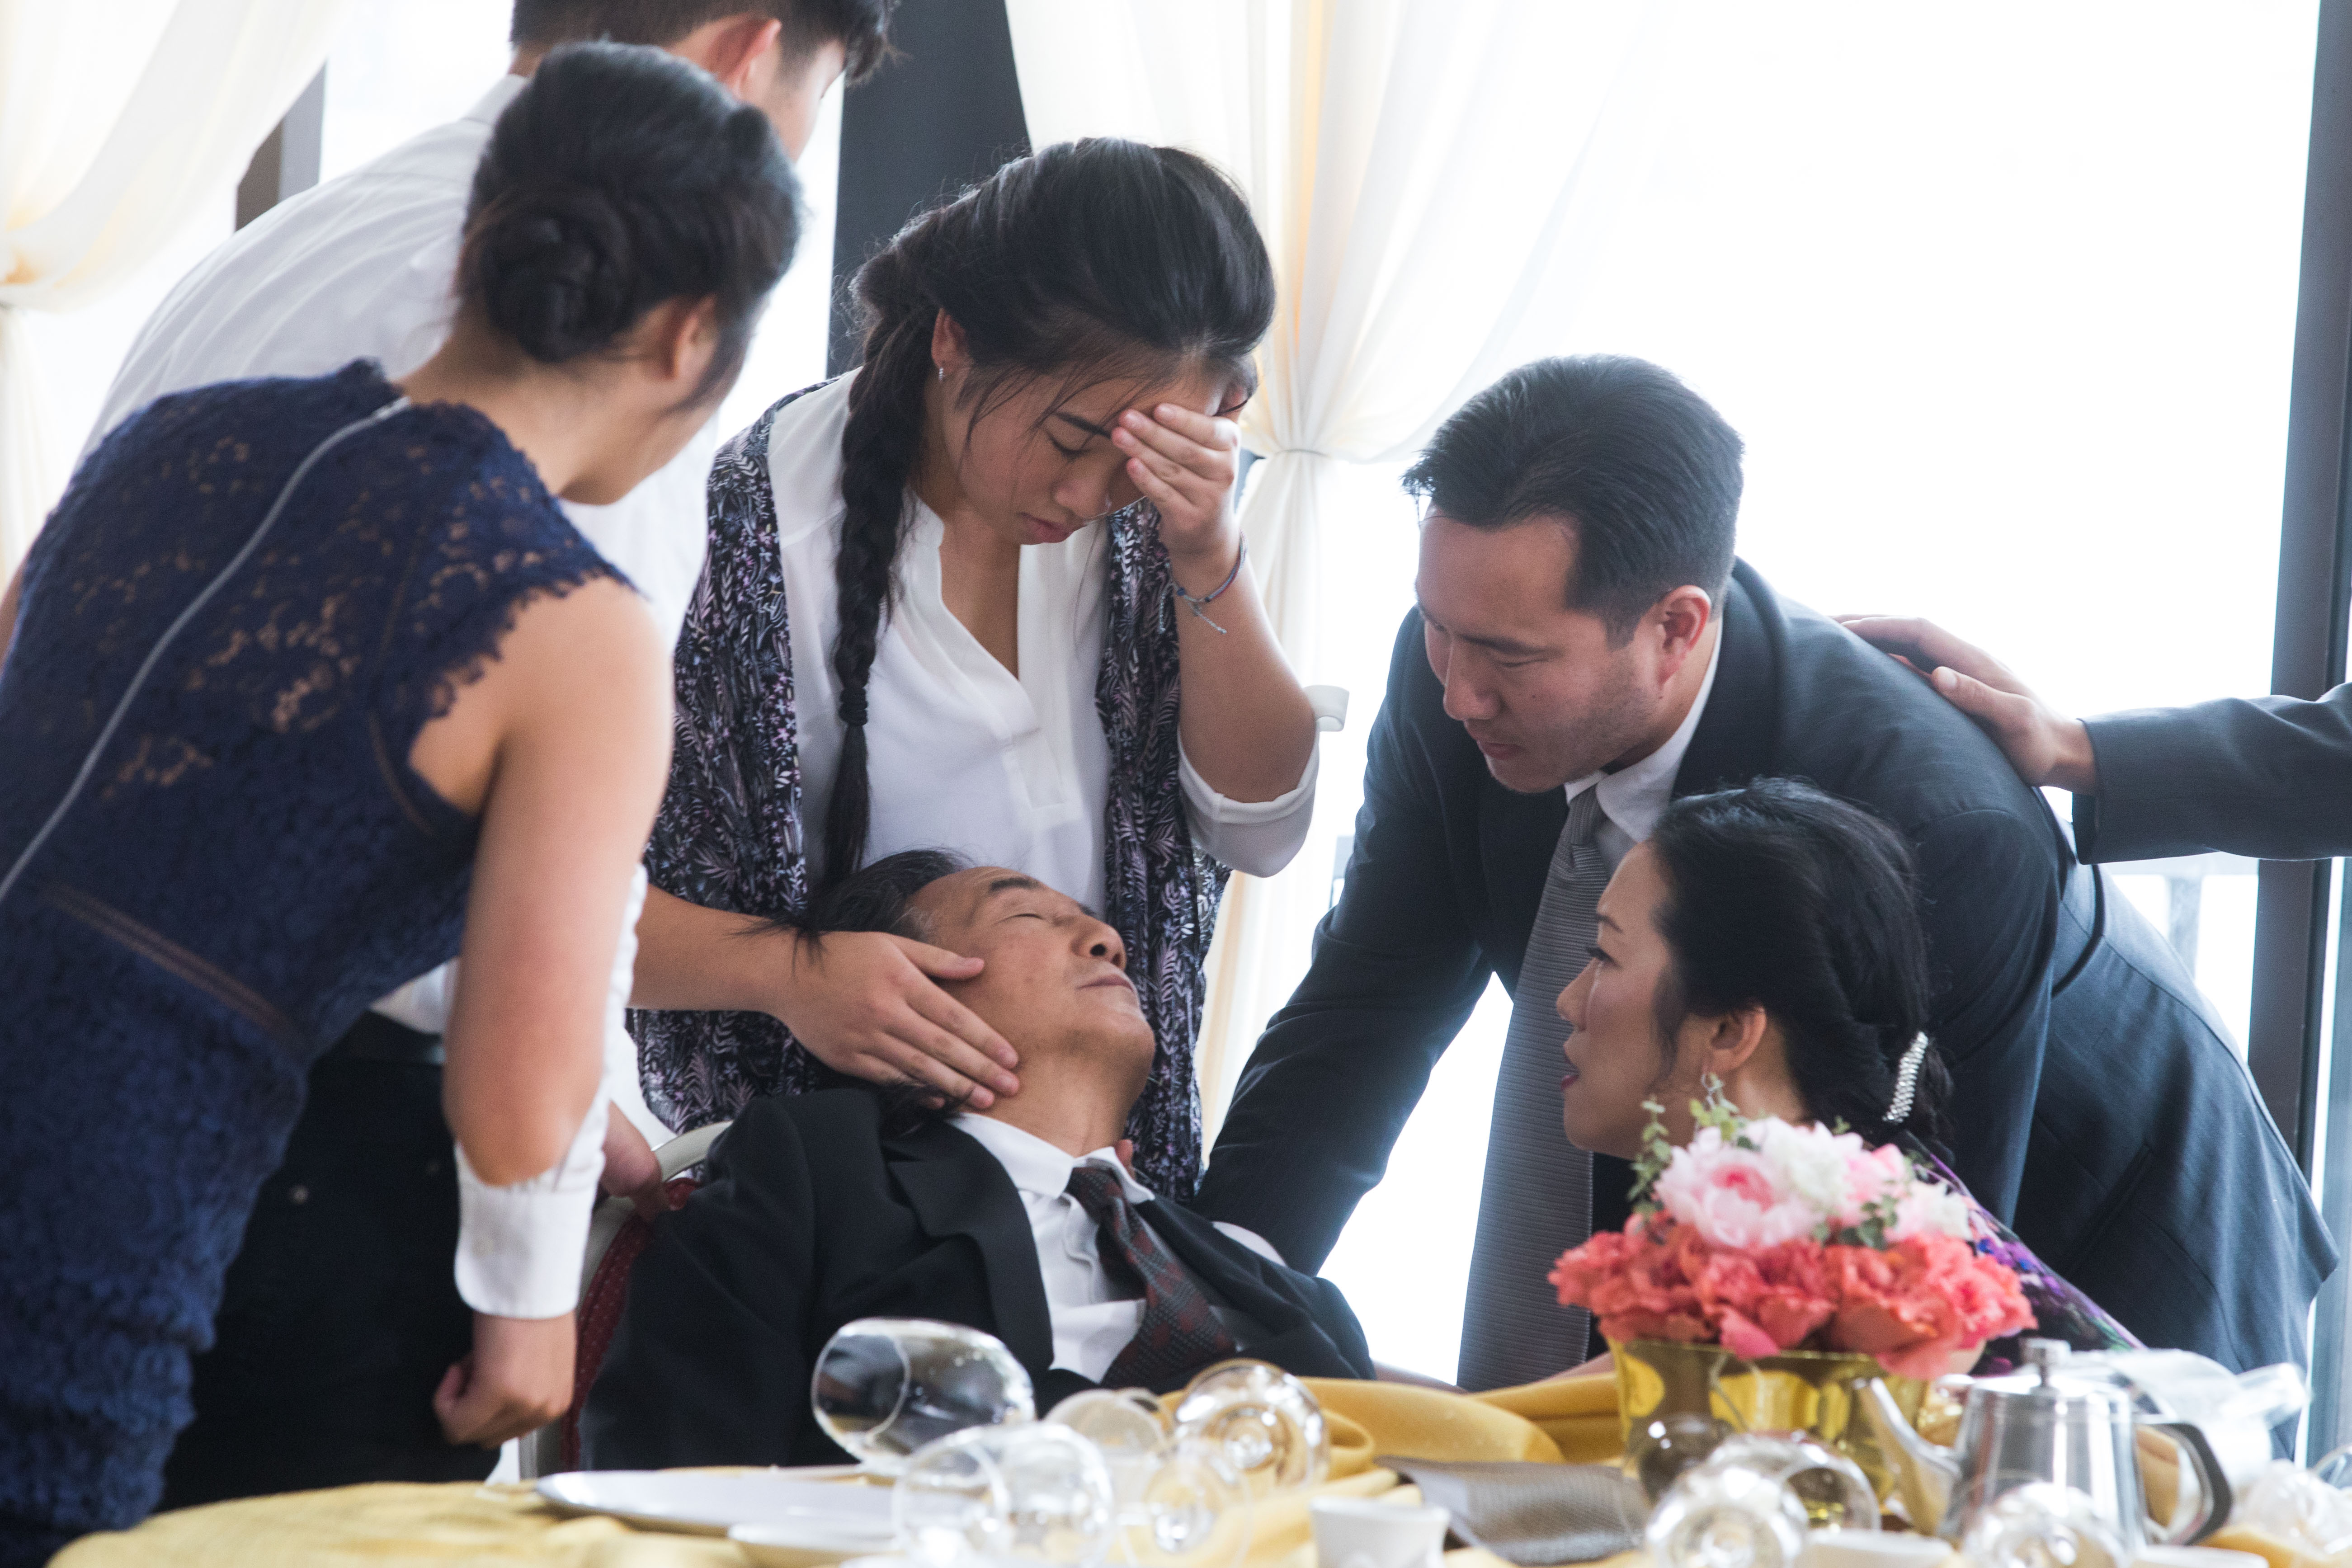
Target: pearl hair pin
1907,1082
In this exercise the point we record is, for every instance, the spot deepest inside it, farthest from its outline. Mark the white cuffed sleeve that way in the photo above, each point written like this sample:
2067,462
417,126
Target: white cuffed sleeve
520,1247
1259,837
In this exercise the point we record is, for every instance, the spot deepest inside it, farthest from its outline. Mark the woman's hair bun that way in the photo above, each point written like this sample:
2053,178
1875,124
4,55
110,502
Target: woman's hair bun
556,270
621,177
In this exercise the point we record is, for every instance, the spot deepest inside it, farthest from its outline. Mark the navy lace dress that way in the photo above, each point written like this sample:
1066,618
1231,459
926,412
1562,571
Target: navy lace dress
252,862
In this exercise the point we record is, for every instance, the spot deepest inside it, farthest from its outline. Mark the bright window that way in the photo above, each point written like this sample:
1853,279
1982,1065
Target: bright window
2002,300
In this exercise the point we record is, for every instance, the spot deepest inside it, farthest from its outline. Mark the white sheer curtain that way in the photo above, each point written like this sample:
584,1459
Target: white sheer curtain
1431,178
119,120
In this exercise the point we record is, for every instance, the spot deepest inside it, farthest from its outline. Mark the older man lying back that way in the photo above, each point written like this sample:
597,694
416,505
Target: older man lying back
1020,1220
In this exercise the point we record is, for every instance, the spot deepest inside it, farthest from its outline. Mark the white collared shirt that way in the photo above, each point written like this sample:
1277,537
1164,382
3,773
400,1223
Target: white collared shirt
1633,798
1092,1322
964,754
360,267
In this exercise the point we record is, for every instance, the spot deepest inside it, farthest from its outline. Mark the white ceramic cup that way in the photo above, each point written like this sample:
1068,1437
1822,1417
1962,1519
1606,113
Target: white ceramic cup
1872,1549
1360,1532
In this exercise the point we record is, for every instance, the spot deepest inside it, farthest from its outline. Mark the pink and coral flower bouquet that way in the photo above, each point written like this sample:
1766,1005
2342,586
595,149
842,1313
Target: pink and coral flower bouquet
1764,1236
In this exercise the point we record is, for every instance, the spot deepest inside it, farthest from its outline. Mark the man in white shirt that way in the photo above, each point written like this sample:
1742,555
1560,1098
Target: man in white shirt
1022,1220
341,1318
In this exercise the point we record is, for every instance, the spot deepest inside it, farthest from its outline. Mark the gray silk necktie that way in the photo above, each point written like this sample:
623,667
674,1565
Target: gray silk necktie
1537,1198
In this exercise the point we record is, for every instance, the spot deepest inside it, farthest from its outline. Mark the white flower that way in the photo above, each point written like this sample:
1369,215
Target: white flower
1932,1208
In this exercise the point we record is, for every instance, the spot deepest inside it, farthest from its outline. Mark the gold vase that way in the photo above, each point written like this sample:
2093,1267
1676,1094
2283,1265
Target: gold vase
1812,1392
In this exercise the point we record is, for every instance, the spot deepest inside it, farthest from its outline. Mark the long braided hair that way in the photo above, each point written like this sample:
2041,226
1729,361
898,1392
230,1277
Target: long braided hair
1086,259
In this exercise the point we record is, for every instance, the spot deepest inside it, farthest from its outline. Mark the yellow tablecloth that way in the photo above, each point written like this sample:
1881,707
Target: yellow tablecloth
468,1526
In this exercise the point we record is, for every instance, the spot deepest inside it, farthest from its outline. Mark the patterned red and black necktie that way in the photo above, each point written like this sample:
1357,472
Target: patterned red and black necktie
1179,1333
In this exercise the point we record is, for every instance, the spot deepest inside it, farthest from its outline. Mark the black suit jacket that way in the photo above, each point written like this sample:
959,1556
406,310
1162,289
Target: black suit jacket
812,1218
2269,777
2099,1106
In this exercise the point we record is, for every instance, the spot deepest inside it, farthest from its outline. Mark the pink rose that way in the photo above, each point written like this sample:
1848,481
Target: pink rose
1731,1196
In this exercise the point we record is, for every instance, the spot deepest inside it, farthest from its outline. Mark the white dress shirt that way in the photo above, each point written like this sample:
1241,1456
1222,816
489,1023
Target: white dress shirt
362,267
962,753
1633,798
1092,1322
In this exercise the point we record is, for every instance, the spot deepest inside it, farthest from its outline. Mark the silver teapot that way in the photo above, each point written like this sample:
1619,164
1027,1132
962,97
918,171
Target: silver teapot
2043,1423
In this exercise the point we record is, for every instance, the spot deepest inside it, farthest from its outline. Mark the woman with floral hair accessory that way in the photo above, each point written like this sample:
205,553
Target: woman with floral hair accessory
1762,951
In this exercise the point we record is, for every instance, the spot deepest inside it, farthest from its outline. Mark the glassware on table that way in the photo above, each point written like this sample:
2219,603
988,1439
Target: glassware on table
1835,1492
2042,1524
1037,1493
1734,1517
2298,1506
1661,1449
885,1386
1180,1503
1261,1422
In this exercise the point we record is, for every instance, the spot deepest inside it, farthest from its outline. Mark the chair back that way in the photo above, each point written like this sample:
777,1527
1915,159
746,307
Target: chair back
617,1237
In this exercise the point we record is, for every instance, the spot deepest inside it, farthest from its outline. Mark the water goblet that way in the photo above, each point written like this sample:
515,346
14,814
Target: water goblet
884,1387
1836,1495
1037,1494
1179,1504
2042,1524
1734,1517
1265,1425
1668,1443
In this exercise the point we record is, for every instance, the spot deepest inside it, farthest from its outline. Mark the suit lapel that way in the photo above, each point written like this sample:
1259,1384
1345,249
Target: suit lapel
957,1188
1734,741
1294,1340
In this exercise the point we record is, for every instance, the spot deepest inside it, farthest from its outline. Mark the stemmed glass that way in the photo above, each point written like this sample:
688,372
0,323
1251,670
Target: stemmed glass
2042,1524
1261,1424
1835,1492
1034,1493
1179,1504
1731,1516
884,1387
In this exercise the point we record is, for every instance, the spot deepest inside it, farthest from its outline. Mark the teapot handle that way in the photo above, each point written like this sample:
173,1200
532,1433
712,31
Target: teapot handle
2212,1484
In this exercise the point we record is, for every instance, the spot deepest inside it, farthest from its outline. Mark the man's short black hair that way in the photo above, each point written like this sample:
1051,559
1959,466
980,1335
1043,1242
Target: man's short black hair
862,28
1646,472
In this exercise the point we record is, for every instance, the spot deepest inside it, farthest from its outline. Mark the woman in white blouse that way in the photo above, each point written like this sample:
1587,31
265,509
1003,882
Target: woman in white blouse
946,604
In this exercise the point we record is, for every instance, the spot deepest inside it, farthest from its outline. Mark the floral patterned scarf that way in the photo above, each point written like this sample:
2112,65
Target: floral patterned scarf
729,835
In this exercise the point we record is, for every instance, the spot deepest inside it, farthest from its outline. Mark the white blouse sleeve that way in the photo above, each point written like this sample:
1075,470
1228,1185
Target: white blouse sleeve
1259,837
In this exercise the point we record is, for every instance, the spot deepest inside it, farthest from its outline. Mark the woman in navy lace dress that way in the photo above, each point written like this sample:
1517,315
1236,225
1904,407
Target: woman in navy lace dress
419,714
1768,939
946,605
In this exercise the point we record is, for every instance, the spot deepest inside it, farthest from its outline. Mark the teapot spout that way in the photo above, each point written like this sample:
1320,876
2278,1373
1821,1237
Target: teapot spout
1924,1472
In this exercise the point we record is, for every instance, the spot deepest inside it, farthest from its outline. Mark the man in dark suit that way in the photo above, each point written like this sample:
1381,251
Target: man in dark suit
1584,636
1020,1220
2265,776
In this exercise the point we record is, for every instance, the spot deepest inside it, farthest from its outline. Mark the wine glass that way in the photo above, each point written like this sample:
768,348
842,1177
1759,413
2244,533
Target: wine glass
885,1386
1263,1424
1836,1495
1179,1504
1034,1493
2042,1524
1730,1516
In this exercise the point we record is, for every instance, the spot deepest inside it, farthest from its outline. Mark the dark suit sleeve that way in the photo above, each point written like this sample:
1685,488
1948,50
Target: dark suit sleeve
710,1364
1989,899
1395,972
2269,777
